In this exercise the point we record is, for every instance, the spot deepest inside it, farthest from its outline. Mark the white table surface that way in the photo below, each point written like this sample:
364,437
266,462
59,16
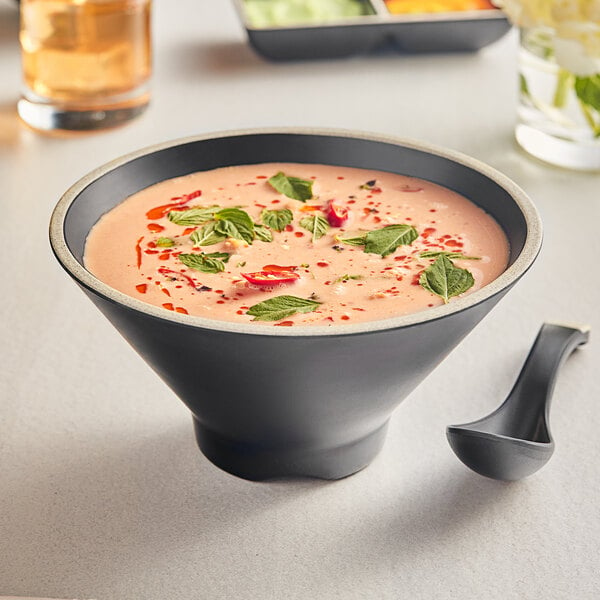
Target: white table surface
103,493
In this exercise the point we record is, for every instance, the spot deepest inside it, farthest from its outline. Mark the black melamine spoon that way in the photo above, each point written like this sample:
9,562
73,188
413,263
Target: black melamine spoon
515,441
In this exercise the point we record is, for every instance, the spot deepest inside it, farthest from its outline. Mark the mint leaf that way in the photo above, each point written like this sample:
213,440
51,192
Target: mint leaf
193,216
205,263
588,90
385,241
262,233
224,256
292,187
354,241
445,280
277,219
165,242
207,236
235,223
281,307
451,255
316,224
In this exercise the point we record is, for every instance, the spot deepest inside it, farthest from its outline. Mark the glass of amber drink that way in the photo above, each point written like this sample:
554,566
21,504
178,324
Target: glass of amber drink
86,63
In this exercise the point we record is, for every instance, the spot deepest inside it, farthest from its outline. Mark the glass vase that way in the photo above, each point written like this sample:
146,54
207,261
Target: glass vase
559,106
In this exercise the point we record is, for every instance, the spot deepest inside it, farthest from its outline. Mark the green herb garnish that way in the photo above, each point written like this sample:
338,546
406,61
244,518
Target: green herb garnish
193,216
353,241
207,236
450,255
292,187
344,278
277,219
281,307
235,223
385,241
316,224
369,185
262,233
165,242
206,263
445,280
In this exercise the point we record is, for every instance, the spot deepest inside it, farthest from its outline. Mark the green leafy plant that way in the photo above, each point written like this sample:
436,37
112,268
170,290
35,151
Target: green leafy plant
445,280
205,263
281,307
384,241
292,187
316,224
277,220
192,216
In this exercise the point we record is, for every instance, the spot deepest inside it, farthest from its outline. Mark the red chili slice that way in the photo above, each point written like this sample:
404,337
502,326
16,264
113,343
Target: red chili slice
337,214
158,212
177,275
138,252
278,269
194,194
270,277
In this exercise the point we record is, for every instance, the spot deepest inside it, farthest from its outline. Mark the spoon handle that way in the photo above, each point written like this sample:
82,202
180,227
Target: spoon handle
531,394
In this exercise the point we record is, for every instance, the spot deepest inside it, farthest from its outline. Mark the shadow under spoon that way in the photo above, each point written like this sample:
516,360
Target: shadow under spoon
514,441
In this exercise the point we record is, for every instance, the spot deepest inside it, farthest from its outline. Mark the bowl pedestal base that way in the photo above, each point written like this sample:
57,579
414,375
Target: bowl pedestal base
259,463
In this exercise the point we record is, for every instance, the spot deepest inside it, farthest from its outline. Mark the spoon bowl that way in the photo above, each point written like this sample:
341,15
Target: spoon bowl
514,441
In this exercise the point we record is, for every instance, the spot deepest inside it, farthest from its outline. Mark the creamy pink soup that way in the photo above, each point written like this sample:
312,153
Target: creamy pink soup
334,257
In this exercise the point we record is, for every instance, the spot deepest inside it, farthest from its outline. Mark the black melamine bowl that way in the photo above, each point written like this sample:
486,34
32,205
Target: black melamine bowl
276,401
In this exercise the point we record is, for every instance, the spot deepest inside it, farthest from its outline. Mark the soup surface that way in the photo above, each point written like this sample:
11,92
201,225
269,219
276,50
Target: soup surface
296,244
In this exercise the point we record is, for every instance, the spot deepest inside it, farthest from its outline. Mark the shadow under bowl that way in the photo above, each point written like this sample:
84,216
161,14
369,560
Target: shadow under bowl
309,401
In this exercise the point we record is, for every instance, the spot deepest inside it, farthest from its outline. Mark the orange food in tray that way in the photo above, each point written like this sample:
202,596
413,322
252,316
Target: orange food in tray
432,6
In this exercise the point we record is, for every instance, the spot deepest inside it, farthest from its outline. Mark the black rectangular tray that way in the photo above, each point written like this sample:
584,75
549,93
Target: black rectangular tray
461,31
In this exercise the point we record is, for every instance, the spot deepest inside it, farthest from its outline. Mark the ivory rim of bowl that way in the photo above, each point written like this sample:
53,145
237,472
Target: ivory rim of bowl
508,277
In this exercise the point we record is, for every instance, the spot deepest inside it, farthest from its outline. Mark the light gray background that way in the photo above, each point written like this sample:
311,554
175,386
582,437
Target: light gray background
103,493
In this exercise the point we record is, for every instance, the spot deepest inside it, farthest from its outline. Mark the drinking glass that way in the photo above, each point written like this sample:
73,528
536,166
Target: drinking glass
86,63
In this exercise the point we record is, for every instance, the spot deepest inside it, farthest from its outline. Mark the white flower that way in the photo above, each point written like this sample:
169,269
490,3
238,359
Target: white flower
571,55
591,9
585,34
527,13
576,22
